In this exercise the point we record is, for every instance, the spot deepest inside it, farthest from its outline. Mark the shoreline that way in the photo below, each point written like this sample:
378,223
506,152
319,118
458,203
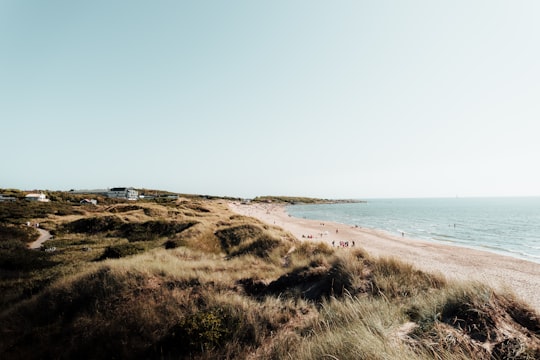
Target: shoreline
454,262
389,233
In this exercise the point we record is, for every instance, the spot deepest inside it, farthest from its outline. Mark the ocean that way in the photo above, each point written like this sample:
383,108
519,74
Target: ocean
507,226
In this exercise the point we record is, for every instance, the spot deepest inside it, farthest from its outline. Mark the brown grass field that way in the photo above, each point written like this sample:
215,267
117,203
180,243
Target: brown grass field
188,279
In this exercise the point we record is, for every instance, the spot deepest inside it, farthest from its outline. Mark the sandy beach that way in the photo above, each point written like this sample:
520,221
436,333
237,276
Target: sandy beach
501,272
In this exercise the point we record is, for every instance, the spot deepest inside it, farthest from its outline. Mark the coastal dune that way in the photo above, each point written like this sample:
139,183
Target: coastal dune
455,263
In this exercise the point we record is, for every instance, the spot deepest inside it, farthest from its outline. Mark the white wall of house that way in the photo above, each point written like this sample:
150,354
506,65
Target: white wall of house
123,193
117,192
37,197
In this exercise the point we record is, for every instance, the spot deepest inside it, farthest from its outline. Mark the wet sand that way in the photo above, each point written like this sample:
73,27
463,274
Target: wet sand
501,272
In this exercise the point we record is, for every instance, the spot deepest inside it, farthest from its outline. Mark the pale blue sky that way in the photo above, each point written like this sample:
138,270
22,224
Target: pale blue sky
331,99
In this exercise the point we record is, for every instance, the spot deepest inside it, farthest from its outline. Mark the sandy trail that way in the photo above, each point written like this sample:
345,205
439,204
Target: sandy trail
501,272
44,235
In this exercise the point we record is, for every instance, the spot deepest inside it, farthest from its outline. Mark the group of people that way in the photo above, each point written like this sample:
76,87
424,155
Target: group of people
319,235
343,243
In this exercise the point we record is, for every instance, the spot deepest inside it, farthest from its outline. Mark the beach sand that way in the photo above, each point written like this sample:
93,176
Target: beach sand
500,272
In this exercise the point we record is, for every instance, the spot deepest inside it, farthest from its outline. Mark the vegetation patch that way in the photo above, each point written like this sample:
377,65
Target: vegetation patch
195,206
94,225
21,211
395,279
120,251
123,208
16,257
314,282
174,243
310,249
21,233
260,247
133,231
475,320
151,230
292,200
477,323
201,331
233,236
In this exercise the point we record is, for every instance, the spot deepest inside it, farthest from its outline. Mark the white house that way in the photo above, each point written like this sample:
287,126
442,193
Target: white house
117,192
41,197
123,193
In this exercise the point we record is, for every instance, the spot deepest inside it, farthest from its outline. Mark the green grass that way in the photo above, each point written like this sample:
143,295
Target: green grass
188,279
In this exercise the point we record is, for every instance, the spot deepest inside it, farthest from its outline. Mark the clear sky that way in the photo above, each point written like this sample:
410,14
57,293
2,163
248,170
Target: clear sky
336,99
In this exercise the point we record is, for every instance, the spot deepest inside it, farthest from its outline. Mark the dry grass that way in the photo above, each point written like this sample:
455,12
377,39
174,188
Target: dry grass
231,287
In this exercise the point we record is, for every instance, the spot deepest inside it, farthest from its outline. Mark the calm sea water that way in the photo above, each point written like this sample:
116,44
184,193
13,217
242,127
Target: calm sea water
508,226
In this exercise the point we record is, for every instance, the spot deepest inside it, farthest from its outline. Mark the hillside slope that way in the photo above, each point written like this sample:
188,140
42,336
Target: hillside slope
190,279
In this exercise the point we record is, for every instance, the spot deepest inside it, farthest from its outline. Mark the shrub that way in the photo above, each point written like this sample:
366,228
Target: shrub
200,331
261,247
315,282
311,248
395,279
120,251
123,208
151,230
174,243
471,317
21,211
235,235
15,256
113,225
94,225
21,233
206,329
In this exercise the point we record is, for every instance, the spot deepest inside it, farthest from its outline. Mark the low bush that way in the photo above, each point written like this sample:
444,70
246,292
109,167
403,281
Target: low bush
94,225
201,331
120,251
21,233
15,256
261,247
235,235
310,249
395,279
152,230
133,231
314,282
21,211
467,319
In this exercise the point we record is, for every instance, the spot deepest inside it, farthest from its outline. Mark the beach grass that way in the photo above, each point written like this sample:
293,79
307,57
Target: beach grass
229,286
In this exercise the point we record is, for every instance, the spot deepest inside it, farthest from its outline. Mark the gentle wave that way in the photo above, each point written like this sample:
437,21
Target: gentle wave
509,226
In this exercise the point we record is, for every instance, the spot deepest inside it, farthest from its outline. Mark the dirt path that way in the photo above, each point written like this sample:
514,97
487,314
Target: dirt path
44,235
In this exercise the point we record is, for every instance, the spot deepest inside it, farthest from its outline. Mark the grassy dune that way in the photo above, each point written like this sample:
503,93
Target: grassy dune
190,279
